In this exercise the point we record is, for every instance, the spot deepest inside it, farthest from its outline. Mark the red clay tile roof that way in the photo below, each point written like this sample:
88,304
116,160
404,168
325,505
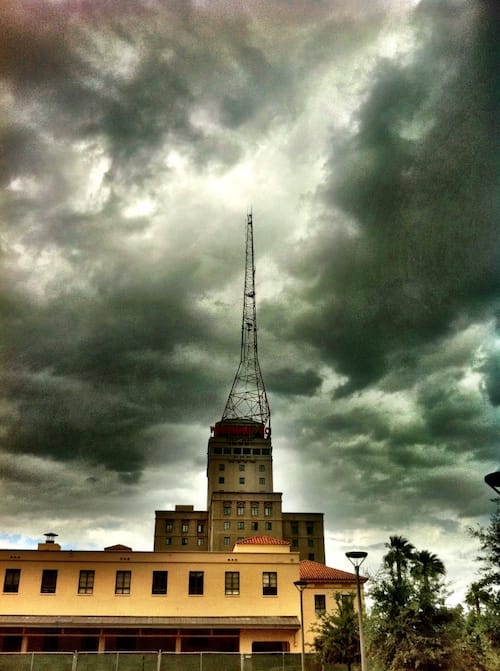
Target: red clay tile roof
262,540
118,548
314,571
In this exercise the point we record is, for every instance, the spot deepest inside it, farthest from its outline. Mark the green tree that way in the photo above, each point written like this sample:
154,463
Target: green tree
337,639
426,569
489,540
483,597
409,626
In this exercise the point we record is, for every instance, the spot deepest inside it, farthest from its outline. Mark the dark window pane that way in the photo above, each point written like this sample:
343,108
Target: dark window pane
195,582
122,585
160,579
11,581
49,581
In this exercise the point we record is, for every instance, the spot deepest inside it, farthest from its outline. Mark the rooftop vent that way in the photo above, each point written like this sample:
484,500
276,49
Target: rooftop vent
50,537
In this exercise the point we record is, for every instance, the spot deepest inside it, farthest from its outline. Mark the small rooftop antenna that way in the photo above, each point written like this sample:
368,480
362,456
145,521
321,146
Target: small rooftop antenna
247,398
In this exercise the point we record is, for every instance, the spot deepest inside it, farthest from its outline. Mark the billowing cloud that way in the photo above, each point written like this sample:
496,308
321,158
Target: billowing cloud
133,142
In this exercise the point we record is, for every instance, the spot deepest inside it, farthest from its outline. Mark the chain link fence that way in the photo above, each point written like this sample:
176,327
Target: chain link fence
157,661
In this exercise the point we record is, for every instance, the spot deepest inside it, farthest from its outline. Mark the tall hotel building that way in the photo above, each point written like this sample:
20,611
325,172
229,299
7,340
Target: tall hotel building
241,501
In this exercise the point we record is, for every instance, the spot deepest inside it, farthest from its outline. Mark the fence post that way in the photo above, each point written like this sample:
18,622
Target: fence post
158,661
74,661
117,660
201,661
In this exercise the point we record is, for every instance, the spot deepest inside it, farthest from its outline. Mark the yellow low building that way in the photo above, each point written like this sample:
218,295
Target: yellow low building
116,599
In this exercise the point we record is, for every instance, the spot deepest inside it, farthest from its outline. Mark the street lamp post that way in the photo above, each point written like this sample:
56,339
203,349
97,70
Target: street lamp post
356,559
301,585
493,480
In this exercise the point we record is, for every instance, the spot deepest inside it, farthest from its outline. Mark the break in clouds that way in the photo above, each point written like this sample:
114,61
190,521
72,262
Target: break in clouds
133,142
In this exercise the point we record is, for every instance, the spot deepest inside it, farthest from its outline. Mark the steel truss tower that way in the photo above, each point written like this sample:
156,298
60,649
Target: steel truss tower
247,398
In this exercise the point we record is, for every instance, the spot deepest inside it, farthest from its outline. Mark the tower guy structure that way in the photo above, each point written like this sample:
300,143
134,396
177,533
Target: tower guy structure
241,501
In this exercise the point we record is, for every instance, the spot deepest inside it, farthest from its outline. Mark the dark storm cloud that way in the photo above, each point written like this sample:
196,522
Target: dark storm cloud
414,189
291,381
131,141
138,78
94,372
94,355
491,371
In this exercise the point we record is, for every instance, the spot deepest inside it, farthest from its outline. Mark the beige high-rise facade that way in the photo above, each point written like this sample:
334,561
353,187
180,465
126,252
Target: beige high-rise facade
241,502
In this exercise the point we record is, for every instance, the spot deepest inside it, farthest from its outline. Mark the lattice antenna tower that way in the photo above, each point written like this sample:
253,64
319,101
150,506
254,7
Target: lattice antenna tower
247,398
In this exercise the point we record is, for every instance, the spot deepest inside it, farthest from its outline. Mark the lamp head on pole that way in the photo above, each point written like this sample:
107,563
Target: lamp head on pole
493,480
356,557
300,585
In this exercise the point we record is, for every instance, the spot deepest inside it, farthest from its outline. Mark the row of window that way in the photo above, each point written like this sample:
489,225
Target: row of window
255,451
254,526
240,508
262,481
242,467
309,528
123,581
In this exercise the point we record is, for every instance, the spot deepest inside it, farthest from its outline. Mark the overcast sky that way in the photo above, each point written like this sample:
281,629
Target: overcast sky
135,136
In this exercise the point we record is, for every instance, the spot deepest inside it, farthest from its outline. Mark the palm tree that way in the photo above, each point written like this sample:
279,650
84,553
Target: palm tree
426,568
477,596
397,559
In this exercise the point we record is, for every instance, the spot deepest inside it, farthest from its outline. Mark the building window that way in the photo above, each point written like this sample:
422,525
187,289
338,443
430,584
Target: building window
242,481
319,603
254,509
310,543
262,481
262,468
227,540
295,542
242,467
86,582
221,480
196,582
227,525
268,510
222,467
168,541
169,526
160,581
241,525
255,526
49,581
11,580
200,527
310,528
200,541
122,583
295,527
184,527
269,526
227,509
184,541
232,582
310,556
269,583
240,510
